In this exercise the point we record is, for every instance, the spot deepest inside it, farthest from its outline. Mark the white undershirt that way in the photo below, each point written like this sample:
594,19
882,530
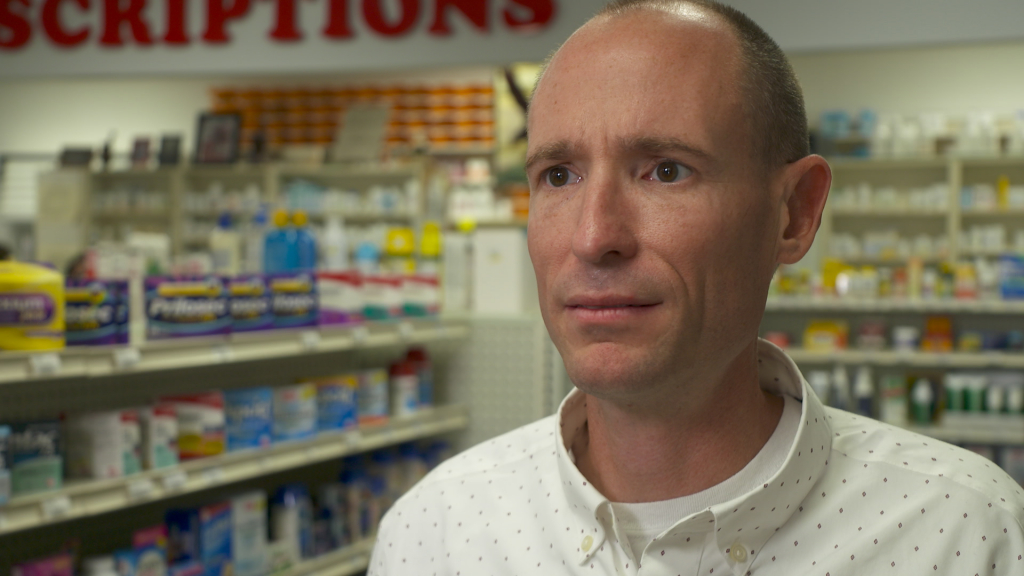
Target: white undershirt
643,522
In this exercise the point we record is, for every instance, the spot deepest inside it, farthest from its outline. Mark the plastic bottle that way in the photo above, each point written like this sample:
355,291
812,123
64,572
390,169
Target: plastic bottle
430,249
368,258
921,399
335,246
291,519
820,383
279,249
305,243
420,361
226,247
255,237
398,251
840,388
864,392
405,390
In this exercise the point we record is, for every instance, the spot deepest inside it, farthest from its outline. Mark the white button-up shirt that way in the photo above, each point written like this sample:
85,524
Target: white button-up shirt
854,496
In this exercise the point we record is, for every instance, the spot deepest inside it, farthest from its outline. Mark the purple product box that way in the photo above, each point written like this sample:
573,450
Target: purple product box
178,307
250,303
294,299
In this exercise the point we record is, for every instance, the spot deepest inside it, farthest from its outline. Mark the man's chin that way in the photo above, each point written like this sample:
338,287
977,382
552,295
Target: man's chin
607,368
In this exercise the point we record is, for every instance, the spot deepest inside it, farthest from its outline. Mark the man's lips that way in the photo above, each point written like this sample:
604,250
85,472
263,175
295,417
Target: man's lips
608,302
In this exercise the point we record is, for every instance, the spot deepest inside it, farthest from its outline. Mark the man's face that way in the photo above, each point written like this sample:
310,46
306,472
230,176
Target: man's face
653,227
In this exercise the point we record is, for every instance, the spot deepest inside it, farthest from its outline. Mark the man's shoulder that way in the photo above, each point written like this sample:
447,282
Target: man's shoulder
864,442
505,453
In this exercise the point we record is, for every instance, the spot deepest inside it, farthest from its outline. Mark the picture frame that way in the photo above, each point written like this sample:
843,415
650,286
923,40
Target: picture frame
218,138
140,152
170,150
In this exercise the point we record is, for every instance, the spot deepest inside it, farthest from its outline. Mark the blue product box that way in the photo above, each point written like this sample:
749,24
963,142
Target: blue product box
295,413
186,568
294,299
5,472
186,306
336,402
148,560
250,303
201,535
249,418
1011,276
91,312
122,312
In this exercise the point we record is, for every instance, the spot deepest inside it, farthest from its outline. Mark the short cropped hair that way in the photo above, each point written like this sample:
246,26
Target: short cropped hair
774,100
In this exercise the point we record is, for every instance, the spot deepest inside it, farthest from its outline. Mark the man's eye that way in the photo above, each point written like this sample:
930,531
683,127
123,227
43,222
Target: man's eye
670,172
560,176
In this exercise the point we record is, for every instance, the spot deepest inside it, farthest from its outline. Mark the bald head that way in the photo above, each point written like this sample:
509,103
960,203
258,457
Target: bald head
772,101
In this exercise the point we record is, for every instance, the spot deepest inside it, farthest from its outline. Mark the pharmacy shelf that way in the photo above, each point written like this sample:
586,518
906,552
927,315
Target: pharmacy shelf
100,361
995,213
914,359
351,559
976,428
89,498
890,213
871,305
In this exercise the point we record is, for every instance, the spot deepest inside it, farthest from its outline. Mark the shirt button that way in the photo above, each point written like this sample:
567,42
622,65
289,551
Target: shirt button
738,553
589,541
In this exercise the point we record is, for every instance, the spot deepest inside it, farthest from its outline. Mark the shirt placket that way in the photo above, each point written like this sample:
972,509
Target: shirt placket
681,548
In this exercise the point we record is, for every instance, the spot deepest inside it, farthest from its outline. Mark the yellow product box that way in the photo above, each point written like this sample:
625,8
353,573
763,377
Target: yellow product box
826,336
31,307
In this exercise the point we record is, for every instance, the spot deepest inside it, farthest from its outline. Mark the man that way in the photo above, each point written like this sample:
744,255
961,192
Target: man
669,177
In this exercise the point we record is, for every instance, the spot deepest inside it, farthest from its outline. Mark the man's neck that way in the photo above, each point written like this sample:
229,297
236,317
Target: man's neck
682,447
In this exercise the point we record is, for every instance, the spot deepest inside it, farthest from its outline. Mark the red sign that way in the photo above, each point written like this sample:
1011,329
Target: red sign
119,22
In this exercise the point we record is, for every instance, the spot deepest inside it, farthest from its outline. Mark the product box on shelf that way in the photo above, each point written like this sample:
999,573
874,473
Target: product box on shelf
200,424
1011,276
95,447
249,534
202,535
159,436
373,397
295,412
131,441
250,303
95,312
421,295
382,296
186,306
31,307
36,458
249,418
59,565
341,297
337,406
149,560
294,299
5,472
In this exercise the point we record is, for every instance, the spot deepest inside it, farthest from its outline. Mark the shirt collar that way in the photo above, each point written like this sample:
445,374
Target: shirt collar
750,519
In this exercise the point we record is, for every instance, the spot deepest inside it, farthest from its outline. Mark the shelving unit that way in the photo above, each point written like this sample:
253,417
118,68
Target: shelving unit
100,361
794,303
89,498
946,360
351,559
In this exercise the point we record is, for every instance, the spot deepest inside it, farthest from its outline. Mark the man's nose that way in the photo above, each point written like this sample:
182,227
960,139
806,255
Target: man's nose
605,231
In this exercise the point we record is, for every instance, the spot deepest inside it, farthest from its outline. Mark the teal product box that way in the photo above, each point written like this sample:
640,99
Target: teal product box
250,303
294,299
202,535
35,454
91,312
249,534
249,418
179,307
5,472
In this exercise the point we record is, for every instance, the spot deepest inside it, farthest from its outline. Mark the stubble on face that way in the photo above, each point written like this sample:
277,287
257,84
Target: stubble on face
699,252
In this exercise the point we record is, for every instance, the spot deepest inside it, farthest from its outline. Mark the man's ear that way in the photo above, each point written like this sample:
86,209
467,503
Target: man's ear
805,188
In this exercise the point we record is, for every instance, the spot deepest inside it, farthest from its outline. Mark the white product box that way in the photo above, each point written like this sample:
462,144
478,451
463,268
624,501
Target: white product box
95,445
249,534
503,278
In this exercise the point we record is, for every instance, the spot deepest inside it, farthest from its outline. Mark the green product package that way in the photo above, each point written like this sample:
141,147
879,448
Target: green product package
35,456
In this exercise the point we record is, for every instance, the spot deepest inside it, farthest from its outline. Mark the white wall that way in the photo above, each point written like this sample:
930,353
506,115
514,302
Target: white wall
949,79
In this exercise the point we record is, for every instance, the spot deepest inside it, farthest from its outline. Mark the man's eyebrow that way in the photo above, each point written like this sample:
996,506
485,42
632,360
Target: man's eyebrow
553,151
657,145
